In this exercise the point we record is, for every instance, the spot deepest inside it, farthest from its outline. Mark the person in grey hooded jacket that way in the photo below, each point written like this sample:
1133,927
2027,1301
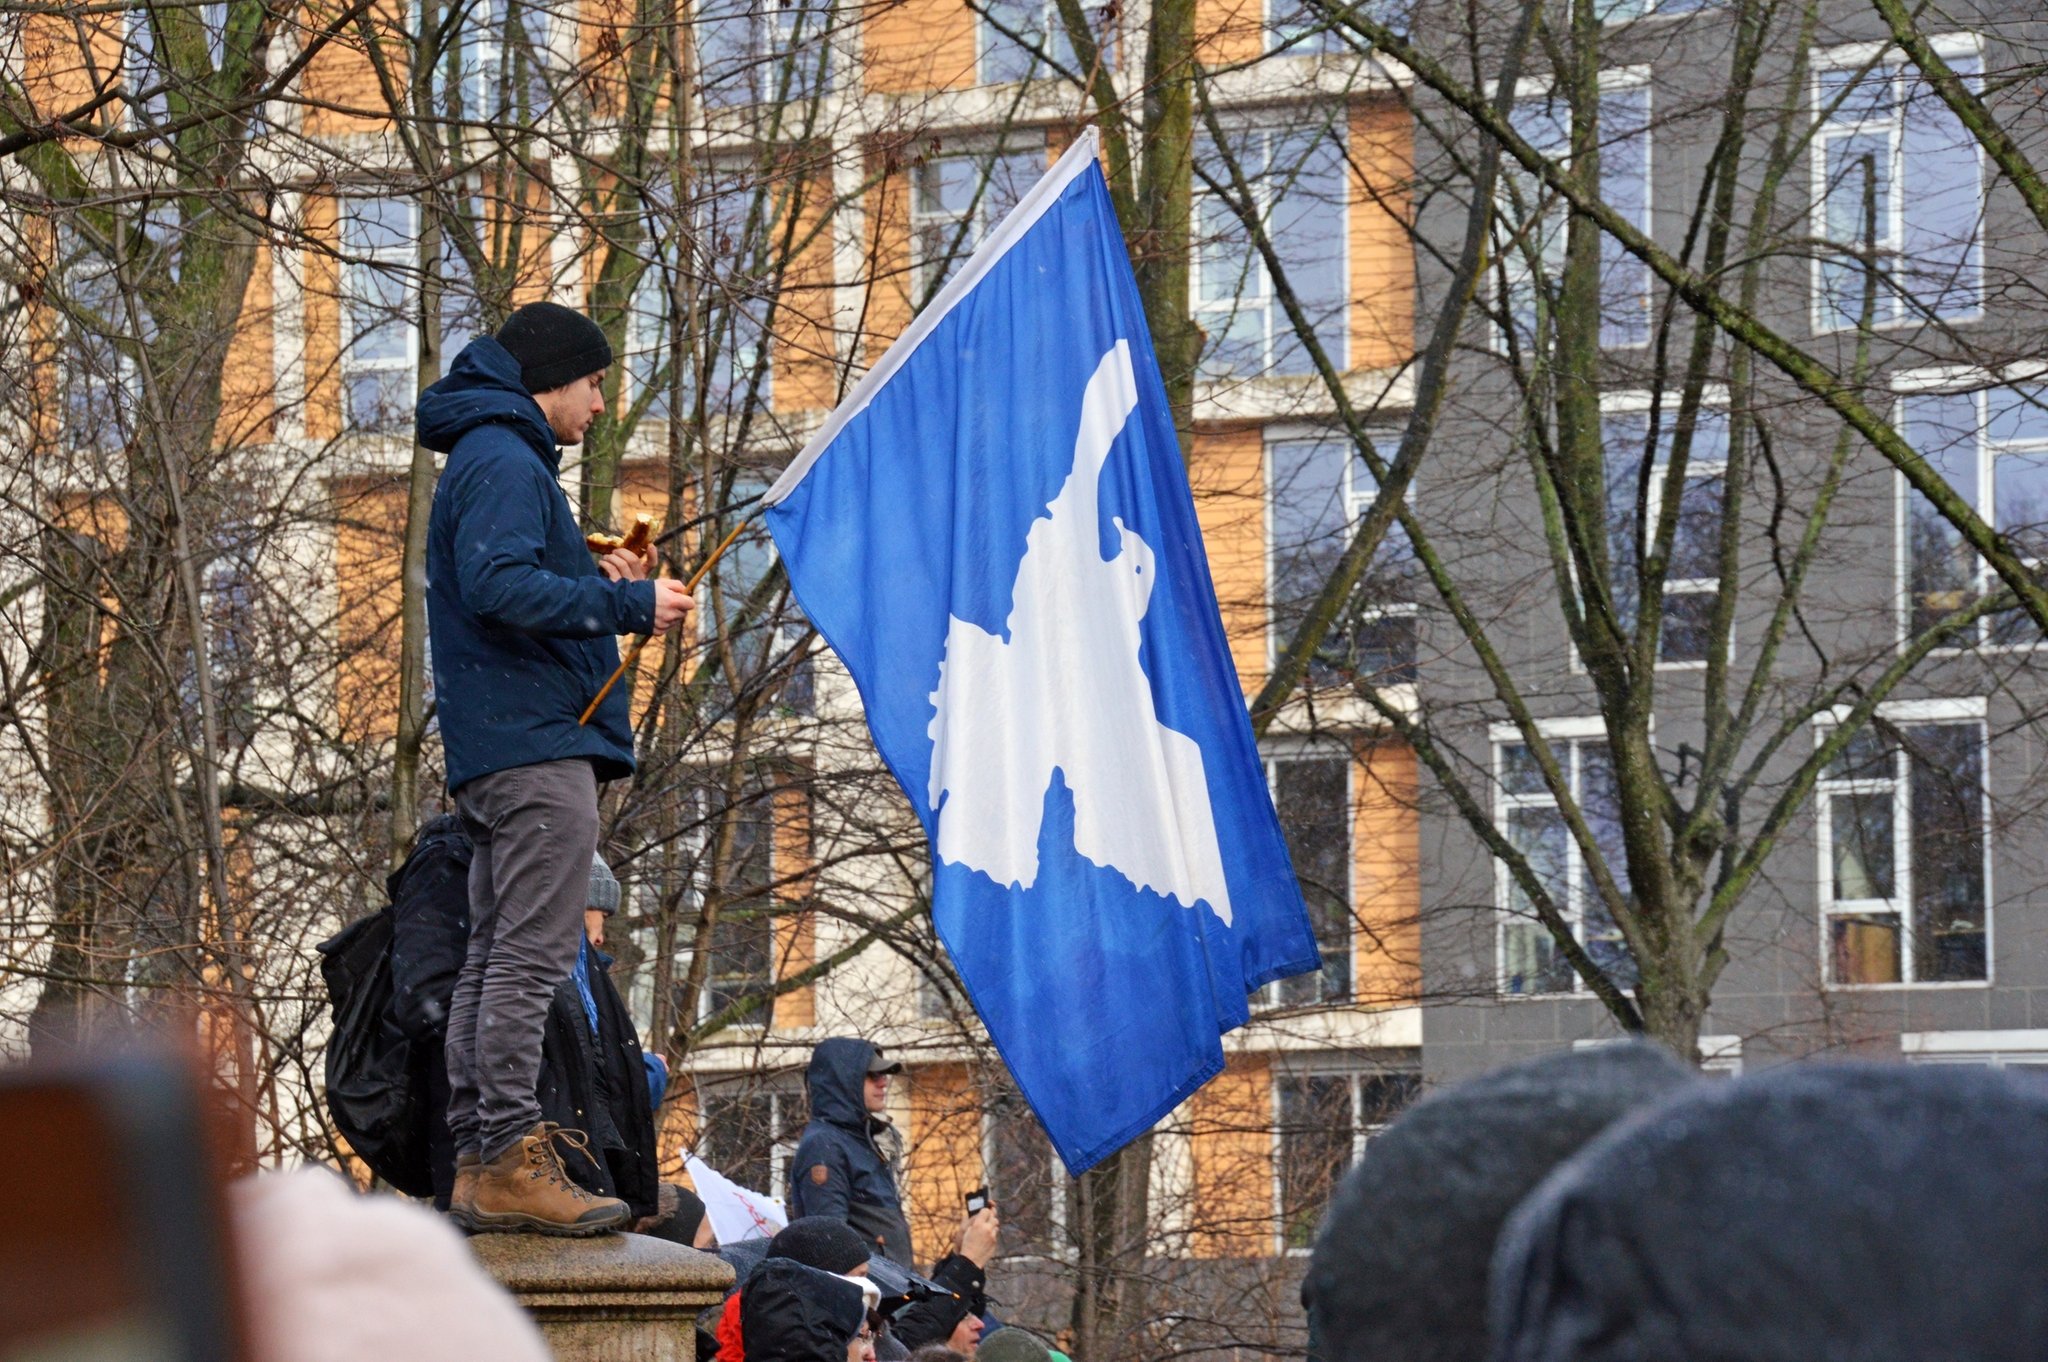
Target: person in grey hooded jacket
839,1169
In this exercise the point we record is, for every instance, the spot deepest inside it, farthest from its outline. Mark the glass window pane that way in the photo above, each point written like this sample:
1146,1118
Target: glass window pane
1315,1149
1021,1177
1688,634
1868,756
1849,95
1860,826
1313,800
1946,772
1696,546
1625,184
1941,569
1519,773
1532,962
2020,494
1943,204
1864,949
739,1137
2017,415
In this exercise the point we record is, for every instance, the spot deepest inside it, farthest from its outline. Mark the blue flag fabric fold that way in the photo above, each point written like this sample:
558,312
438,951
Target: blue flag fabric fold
996,535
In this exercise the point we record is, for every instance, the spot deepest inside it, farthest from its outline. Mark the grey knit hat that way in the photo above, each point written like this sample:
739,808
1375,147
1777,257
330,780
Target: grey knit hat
604,887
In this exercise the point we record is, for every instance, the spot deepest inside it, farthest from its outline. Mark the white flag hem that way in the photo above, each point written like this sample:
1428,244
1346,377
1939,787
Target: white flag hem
1021,219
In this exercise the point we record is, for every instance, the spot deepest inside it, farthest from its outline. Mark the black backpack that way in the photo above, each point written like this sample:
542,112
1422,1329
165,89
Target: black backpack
388,978
371,1093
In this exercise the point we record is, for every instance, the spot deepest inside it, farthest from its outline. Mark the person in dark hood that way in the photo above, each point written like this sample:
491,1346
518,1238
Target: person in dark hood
1399,1268
839,1169
1813,1213
793,1313
524,628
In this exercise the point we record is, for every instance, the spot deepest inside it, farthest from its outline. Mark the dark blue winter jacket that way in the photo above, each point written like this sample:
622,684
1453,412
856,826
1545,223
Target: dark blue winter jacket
523,623
838,1169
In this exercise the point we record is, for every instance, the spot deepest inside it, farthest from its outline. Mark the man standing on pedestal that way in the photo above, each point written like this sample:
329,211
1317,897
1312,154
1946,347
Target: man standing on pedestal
524,628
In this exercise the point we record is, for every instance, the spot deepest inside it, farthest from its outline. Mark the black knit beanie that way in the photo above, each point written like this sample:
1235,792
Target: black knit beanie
554,345
820,1241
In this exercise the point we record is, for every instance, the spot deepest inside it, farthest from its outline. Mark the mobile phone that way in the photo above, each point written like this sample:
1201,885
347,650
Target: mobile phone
977,1200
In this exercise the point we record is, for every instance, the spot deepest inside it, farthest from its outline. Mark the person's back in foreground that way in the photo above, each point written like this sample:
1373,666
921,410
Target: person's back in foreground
524,629
1814,1213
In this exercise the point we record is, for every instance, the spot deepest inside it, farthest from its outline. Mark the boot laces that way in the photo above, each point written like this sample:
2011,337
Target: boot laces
547,1159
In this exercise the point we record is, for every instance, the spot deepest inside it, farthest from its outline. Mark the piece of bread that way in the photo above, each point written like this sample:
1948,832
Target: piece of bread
634,540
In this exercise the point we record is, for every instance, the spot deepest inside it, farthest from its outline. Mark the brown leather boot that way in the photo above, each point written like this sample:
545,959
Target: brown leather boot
526,1188
462,1197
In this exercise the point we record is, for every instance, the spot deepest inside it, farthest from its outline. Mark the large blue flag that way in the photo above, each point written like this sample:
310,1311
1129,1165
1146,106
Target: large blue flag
995,534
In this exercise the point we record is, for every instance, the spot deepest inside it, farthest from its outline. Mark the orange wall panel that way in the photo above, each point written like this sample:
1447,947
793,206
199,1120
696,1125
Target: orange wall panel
340,87
1387,851
1227,475
59,72
914,45
886,258
796,938
248,380
942,1154
1229,31
803,356
369,544
1231,1149
320,355
1382,252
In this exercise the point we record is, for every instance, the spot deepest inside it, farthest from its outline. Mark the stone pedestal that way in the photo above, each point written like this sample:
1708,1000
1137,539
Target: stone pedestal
616,1298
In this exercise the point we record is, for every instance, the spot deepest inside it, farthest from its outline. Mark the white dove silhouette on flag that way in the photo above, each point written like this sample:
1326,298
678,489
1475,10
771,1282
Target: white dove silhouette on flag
1067,692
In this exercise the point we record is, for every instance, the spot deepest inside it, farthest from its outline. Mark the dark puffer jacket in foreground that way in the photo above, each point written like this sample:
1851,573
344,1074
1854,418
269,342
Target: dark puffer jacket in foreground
1399,1272
1818,1213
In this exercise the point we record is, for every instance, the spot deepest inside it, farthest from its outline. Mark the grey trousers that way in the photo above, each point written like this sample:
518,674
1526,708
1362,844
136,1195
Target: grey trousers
535,829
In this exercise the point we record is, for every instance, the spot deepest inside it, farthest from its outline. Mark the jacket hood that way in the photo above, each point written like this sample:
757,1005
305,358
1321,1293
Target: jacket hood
837,1079
793,1313
1875,1212
482,388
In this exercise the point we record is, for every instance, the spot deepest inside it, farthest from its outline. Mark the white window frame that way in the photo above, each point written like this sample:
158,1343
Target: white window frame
1356,503
1957,380
1714,397
1897,68
1571,731
403,258
1271,753
1262,203
1612,80
1961,711
2027,1048
1362,1131
1719,1055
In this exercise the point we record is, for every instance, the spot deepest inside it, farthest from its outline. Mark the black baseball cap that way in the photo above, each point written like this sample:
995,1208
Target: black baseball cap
877,1064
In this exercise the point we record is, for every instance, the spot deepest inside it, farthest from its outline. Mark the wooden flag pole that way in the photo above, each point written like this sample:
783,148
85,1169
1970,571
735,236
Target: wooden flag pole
633,653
